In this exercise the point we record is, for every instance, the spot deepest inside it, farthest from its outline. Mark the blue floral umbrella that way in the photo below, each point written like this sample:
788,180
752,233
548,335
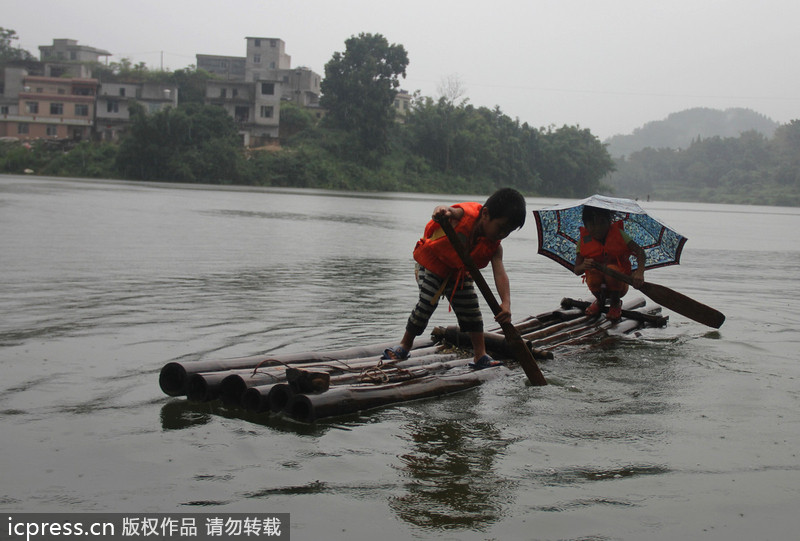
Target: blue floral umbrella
559,231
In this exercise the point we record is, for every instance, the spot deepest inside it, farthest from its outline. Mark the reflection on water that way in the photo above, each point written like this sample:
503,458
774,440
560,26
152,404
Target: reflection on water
452,482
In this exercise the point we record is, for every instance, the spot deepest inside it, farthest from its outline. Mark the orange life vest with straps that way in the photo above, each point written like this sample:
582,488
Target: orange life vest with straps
434,251
613,251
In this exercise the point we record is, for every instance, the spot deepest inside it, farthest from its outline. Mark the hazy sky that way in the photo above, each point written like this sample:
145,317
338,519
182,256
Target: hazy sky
607,65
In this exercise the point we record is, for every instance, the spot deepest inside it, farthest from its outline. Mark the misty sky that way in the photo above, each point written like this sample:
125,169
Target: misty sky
607,65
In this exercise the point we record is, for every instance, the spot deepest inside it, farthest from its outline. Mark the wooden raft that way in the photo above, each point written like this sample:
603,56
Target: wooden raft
315,385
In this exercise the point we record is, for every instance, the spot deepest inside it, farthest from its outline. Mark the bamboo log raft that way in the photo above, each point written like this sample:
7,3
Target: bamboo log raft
314,385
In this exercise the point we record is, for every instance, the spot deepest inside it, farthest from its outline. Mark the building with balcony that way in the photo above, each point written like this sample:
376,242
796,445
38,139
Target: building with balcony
66,58
255,107
114,101
34,107
252,87
57,98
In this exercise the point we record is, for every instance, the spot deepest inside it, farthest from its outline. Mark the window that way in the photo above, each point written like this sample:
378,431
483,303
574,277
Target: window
266,111
235,92
52,131
62,91
73,55
268,89
81,109
3,109
112,107
223,92
273,43
56,108
32,107
22,128
122,91
257,43
257,58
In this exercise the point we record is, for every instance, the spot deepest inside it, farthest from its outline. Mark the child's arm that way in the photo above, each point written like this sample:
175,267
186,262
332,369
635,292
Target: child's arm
454,213
581,264
503,286
638,274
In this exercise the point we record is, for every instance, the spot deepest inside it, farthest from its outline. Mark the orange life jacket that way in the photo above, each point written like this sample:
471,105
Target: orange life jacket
434,251
613,251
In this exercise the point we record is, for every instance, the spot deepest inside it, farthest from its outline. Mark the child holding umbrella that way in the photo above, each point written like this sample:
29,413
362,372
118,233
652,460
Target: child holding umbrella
604,241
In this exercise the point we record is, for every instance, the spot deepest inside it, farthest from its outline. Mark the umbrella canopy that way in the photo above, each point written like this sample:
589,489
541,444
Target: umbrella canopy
559,231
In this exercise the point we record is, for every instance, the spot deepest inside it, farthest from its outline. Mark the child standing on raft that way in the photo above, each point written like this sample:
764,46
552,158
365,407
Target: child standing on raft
440,271
604,241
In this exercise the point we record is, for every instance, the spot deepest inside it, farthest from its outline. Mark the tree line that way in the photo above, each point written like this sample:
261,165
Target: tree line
443,145
748,169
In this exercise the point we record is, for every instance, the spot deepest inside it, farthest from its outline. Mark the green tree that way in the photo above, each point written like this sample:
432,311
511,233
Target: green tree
192,143
572,162
295,119
7,50
785,148
359,89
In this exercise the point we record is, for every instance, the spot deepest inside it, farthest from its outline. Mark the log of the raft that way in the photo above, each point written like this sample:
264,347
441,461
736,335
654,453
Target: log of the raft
656,320
495,343
204,387
557,328
233,387
257,399
530,323
236,383
275,397
601,331
349,399
574,329
207,386
174,375
553,341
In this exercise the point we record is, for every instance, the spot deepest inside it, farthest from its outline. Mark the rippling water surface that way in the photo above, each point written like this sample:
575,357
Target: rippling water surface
679,433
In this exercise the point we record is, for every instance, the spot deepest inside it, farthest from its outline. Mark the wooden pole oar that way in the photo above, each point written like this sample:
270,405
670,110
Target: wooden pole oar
517,346
677,302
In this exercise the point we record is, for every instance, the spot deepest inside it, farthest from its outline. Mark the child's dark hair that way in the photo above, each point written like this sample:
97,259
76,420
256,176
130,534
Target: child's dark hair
591,214
507,203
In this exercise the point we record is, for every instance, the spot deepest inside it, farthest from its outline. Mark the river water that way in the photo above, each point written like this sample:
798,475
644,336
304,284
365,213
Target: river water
684,432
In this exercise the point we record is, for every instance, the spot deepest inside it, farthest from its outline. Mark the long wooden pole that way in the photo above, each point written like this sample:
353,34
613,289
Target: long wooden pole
677,302
519,349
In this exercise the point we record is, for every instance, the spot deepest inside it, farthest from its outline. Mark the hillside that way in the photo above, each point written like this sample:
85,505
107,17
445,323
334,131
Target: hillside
678,130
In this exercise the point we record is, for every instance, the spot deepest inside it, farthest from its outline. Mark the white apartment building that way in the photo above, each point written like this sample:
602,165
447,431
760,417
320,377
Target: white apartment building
253,86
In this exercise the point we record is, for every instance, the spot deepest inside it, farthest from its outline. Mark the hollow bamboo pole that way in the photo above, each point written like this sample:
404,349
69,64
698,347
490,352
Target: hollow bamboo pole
174,375
623,327
257,398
